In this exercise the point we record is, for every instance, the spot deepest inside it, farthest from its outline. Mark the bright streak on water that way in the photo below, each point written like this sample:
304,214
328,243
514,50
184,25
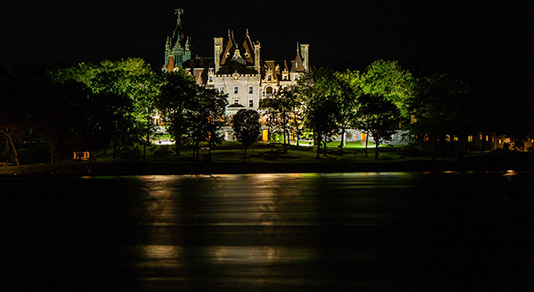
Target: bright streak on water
396,231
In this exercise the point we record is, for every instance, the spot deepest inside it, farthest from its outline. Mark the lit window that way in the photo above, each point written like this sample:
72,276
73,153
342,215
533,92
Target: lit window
487,138
236,90
251,103
455,138
448,138
469,138
250,90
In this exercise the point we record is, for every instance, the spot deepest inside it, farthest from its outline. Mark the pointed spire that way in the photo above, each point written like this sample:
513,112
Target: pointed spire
179,12
188,43
168,44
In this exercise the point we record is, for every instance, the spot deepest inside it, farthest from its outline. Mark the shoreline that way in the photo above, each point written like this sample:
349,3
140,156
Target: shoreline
128,168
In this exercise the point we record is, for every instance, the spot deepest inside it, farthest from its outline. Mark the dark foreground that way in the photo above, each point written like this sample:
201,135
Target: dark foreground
436,231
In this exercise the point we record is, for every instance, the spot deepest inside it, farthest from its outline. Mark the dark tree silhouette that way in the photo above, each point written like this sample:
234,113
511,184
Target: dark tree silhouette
246,126
442,107
206,117
177,97
378,116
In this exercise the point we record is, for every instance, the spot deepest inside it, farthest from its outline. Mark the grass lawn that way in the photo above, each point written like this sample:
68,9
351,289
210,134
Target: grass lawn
229,152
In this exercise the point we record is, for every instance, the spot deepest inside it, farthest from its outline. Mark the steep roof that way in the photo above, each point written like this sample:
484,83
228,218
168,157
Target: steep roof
170,63
298,64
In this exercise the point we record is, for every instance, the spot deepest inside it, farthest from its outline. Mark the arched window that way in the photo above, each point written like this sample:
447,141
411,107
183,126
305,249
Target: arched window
268,91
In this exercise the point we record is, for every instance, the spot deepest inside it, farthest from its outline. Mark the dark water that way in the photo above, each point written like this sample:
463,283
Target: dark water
269,232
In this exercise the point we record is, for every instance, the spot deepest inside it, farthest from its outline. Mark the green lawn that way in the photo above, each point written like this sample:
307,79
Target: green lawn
258,152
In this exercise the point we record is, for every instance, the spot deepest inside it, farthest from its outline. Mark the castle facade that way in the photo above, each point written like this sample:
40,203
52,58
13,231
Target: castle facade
236,68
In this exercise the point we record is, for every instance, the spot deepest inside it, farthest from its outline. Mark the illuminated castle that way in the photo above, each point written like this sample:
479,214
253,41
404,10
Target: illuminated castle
236,69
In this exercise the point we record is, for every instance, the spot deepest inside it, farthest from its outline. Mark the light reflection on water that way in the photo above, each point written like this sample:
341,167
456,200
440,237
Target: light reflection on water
373,231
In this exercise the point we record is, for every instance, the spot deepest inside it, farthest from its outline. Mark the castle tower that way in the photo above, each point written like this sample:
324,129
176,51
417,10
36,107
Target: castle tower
178,46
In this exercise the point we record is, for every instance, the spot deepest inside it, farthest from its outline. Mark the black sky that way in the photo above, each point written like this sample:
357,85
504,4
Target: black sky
490,41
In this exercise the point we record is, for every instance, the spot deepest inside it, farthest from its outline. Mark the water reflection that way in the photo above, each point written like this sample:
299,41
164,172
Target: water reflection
166,256
257,254
351,231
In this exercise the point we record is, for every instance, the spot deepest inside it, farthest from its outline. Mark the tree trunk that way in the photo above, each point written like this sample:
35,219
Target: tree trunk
209,149
178,144
14,149
366,143
245,155
318,142
284,142
324,141
115,151
147,139
376,148
342,143
52,154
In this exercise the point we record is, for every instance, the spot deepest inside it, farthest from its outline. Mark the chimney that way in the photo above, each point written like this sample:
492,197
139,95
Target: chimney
217,51
257,59
305,55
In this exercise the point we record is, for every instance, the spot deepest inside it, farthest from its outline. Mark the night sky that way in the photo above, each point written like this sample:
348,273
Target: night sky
488,41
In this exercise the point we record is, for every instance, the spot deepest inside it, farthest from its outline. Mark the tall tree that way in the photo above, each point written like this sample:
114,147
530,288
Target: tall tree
246,126
177,97
378,116
206,118
56,115
389,80
11,121
321,107
12,114
346,97
441,109
282,112
131,79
